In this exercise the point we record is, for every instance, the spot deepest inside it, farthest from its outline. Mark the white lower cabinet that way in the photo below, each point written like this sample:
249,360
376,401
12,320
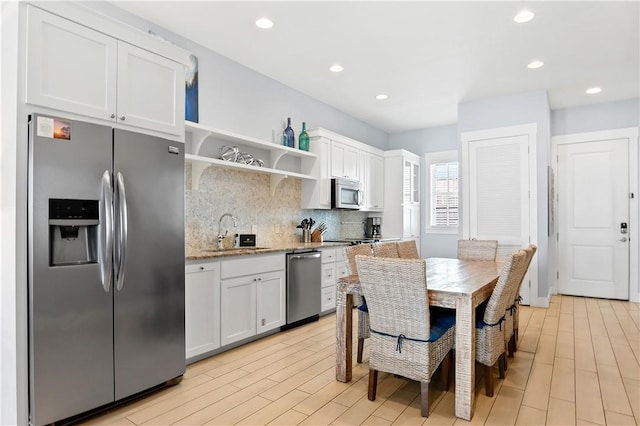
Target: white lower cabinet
253,296
202,307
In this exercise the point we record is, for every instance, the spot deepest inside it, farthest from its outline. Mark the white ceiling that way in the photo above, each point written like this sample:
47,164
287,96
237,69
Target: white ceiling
426,56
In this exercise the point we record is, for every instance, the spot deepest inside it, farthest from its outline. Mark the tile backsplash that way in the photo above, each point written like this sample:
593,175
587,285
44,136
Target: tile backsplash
248,197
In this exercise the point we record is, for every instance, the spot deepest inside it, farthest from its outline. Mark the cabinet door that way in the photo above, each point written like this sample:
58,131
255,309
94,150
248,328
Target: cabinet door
411,221
70,67
374,182
344,160
202,308
150,90
238,309
270,301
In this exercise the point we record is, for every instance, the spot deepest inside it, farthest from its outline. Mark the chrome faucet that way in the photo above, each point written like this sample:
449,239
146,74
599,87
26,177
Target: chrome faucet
221,237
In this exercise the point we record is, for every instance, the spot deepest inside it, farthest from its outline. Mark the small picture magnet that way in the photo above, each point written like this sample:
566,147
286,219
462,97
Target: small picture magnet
61,129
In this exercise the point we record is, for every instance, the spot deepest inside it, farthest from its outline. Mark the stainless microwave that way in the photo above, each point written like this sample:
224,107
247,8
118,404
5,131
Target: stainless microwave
346,194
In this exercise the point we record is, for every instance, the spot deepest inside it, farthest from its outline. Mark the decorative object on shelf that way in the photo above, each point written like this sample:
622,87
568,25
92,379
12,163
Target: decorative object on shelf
191,90
303,138
228,153
289,136
231,153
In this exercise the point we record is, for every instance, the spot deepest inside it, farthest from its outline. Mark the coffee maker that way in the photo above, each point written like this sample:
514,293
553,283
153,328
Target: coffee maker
373,227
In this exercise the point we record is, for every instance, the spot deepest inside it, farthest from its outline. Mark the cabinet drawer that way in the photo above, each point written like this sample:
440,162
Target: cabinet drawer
201,267
340,254
328,255
328,274
251,264
328,300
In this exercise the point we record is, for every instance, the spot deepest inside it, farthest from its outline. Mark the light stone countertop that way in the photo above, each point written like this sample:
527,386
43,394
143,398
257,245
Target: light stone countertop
204,254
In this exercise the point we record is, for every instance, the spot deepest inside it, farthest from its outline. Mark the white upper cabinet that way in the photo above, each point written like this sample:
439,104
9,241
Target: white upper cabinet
340,156
411,181
150,90
372,178
344,160
70,67
76,69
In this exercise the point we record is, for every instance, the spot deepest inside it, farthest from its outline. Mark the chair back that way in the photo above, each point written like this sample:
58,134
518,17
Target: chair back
385,250
510,278
477,249
396,292
408,249
529,252
350,253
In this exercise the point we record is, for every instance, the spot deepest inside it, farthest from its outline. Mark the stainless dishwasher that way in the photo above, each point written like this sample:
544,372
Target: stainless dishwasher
304,281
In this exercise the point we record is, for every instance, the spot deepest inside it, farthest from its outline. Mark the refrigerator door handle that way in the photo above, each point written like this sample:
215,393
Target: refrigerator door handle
105,246
121,247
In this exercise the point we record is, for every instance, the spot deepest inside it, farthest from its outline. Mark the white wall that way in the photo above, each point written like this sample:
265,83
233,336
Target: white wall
592,118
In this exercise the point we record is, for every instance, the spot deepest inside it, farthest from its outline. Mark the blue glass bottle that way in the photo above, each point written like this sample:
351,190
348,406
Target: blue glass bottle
289,136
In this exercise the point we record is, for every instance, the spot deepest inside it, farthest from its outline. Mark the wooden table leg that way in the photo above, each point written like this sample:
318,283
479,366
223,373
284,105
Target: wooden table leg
344,338
465,357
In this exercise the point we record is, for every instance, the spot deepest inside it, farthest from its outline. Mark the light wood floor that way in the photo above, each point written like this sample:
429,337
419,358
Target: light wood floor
577,363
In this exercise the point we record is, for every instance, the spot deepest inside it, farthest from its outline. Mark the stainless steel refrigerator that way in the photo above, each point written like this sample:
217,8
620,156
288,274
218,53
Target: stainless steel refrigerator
106,265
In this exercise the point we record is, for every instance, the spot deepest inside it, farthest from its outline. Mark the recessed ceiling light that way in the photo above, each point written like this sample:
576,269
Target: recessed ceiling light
381,97
535,64
524,16
594,90
336,68
264,23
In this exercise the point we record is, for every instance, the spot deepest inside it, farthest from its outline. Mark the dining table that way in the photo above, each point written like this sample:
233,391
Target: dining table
451,283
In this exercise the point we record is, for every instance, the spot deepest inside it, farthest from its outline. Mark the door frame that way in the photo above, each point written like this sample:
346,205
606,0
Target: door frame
631,134
531,131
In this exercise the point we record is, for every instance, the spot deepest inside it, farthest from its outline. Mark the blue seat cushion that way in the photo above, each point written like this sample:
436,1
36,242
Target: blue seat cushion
480,324
440,323
363,307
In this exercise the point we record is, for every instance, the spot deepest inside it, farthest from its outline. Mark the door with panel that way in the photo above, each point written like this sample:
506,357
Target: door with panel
593,219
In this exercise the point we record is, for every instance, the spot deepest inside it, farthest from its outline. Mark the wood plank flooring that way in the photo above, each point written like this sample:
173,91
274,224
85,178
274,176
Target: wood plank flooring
577,363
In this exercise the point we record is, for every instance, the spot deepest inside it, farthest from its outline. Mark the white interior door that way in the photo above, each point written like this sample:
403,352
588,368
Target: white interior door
498,185
593,203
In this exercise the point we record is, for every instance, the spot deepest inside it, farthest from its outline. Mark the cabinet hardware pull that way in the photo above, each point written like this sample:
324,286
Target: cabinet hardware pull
122,118
113,116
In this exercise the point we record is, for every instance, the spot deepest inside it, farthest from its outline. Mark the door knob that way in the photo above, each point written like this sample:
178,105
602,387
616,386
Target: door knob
623,239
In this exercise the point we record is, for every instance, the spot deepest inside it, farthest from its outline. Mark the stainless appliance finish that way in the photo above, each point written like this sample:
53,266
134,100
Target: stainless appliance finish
304,282
373,227
105,322
346,194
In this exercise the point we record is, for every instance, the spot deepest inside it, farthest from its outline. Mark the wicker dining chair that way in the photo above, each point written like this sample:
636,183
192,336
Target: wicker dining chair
359,301
490,319
385,250
404,341
408,249
514,310
477,249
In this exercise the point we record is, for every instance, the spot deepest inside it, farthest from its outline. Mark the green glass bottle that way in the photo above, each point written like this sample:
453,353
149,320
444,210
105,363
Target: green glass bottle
303,138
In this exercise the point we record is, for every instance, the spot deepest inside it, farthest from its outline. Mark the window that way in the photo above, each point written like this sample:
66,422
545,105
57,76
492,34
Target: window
442,183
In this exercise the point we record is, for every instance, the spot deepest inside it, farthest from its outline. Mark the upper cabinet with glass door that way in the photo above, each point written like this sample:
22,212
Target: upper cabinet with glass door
411,181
